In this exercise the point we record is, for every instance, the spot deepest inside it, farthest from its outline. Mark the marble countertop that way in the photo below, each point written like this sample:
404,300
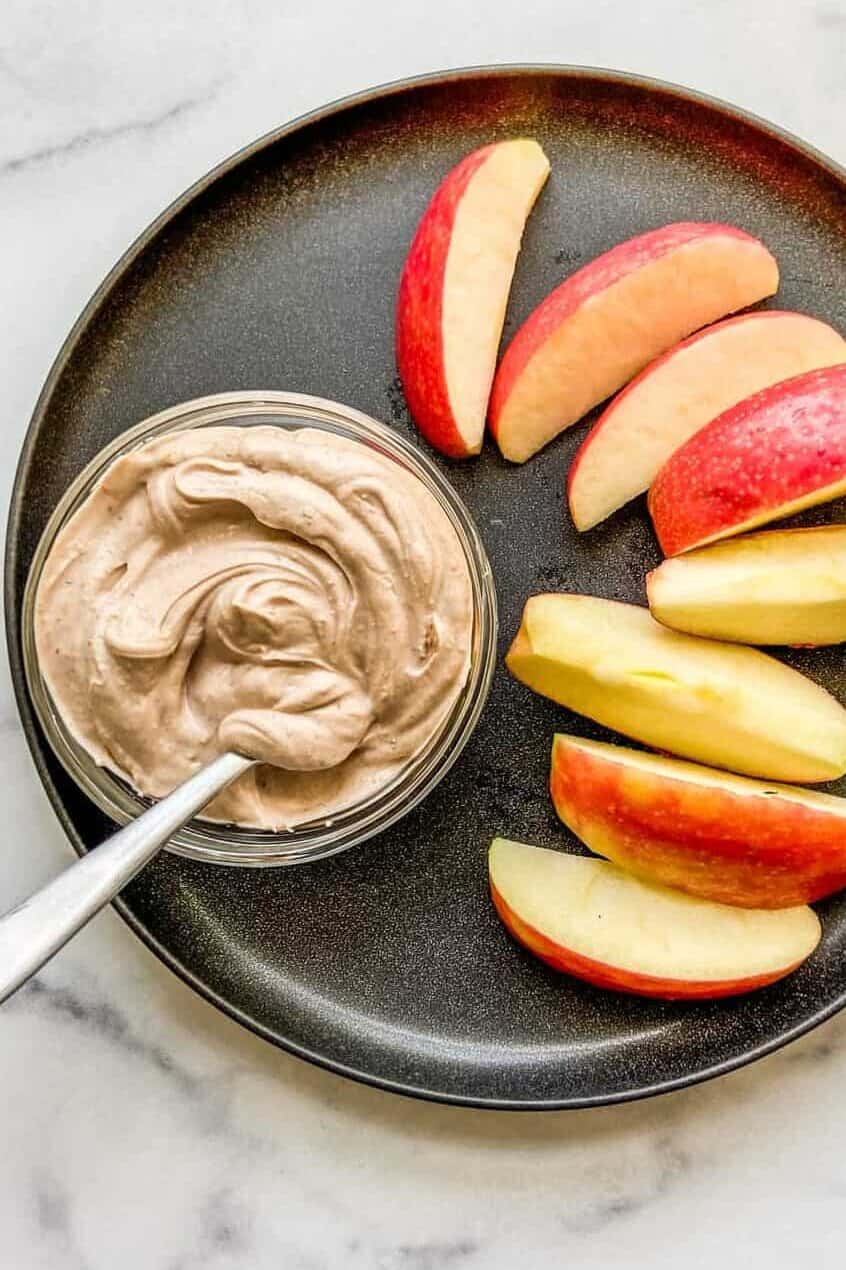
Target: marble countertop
142,1129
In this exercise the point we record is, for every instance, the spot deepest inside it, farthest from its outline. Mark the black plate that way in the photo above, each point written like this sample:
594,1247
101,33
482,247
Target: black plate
279,271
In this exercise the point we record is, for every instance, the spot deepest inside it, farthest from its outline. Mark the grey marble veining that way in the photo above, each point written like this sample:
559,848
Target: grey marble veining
140,1128
97,136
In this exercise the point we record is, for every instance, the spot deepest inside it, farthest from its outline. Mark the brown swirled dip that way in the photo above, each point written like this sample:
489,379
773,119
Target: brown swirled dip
294,596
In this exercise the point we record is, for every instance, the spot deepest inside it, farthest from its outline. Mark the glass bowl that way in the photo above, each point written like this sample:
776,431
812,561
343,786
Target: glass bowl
233,844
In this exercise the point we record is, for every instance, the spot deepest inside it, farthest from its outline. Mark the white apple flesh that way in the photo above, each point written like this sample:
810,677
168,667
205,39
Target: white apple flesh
591,919
679,393
611,318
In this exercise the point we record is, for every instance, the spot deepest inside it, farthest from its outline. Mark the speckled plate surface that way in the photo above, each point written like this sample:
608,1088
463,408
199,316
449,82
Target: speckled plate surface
279,270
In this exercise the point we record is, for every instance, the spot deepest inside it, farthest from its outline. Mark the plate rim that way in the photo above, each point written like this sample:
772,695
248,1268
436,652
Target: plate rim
124,263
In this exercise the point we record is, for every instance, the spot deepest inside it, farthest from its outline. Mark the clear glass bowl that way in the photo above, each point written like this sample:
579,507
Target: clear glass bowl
232,844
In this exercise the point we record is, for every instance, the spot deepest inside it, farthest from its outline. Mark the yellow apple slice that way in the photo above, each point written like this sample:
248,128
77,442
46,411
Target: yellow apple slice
682,391
611,318
594,921
454,290
782,586
720,704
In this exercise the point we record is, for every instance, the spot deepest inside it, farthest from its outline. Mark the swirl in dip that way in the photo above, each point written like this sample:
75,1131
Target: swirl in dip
294,596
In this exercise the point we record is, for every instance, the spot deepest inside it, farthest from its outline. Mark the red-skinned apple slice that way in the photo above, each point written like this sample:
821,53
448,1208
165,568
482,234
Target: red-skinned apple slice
591,919
614,316
454,290
722,837
776,453
682,391
780,586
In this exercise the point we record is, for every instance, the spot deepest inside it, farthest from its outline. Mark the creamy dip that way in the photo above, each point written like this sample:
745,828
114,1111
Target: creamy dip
295,596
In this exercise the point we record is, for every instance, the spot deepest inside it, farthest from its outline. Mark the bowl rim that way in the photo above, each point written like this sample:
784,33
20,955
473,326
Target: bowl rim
236,845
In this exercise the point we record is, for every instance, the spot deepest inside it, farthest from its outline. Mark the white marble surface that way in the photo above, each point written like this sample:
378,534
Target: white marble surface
139,1128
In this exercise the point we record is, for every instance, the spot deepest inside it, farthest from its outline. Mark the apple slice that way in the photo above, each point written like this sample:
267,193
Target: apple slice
454,290
612,317
781,586
722,837
592,920
717,703
773,454
682,391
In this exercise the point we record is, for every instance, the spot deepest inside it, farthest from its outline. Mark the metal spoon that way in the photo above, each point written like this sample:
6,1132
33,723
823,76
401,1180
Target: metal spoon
31,933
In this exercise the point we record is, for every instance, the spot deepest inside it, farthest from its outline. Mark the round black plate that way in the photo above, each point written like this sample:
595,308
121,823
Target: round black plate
279,270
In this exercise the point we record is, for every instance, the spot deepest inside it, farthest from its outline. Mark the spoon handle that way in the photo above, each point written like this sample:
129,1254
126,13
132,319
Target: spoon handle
31,933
